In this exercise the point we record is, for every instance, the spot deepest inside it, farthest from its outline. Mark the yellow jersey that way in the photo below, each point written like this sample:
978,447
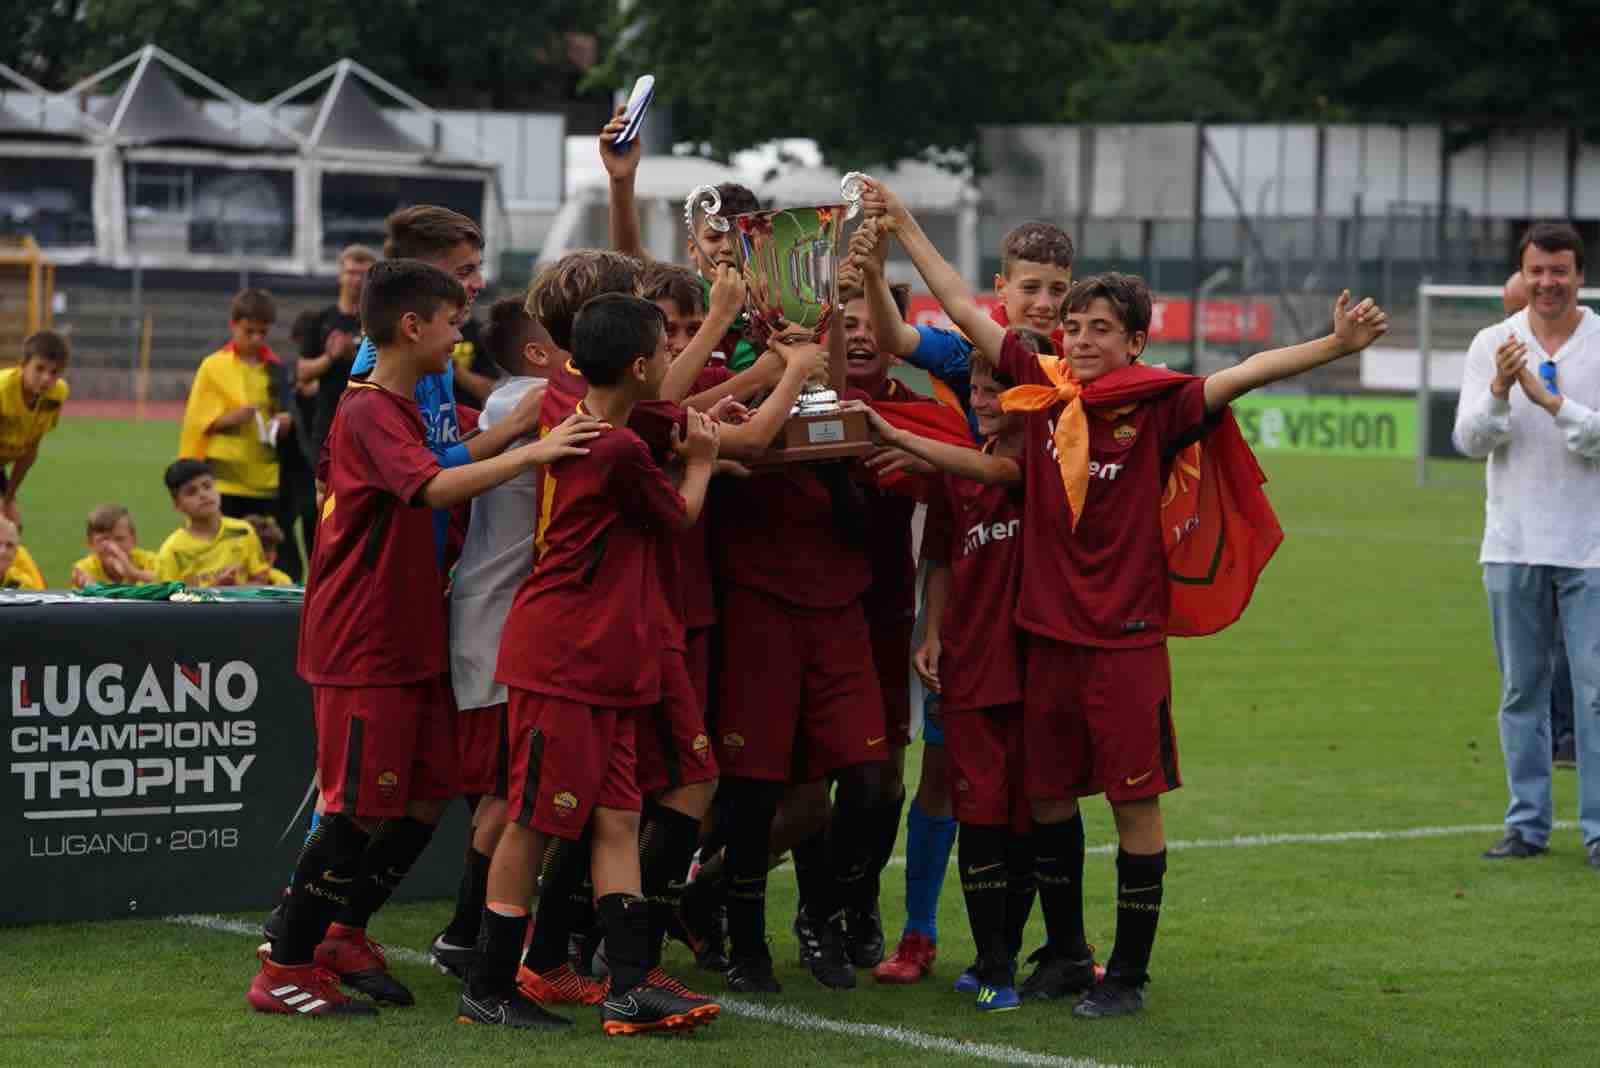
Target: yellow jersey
244,465
186,557
23,574
278,578
94,571
22,425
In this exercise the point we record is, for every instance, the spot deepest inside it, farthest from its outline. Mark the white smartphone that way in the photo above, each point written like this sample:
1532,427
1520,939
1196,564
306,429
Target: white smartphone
633,114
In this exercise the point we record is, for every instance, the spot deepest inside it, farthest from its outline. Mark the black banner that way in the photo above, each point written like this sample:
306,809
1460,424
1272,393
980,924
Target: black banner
159,758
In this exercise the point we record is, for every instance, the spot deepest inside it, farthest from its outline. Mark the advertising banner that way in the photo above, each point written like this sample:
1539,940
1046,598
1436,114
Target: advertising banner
159,760
1329,424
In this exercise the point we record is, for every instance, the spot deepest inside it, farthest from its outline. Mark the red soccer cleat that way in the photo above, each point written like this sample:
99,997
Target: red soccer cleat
360,964
910,962
302,990
561,986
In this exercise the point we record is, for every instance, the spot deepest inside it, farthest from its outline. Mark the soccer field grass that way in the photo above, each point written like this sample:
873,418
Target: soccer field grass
1357,696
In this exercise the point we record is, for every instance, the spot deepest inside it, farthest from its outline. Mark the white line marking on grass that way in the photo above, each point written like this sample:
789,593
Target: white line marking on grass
773,1014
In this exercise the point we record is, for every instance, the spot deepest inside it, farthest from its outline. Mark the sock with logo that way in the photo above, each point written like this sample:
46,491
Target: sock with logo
982,862
625,920
752,806
501,932
470,895
1021,889
811,874
1139,877
330,864
853,839
1058,867
929,840
667,840
387,861
561,875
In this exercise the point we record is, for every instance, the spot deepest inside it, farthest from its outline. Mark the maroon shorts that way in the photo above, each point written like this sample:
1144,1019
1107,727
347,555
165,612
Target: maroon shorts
481,750
379,747
984,746
1098,721
799,697
671,736
891,657
698,657
564,759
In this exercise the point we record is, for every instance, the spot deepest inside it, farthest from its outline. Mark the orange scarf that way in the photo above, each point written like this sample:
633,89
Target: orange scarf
1072,429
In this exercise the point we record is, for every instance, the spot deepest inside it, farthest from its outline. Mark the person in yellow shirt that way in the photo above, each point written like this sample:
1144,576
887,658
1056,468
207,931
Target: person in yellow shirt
31,396
235,414
271,536
210,549
114,554
17,569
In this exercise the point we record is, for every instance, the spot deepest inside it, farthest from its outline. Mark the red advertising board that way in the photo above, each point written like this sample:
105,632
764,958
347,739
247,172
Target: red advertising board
1172,318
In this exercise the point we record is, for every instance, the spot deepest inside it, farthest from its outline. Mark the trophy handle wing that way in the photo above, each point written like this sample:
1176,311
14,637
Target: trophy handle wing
708,200
851,186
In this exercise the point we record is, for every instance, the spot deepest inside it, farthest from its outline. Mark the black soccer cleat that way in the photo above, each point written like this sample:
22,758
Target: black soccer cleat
701,924
752,976
1513,847
650,1008
1057,976
864,938
508,1010
1110,997
361,964
827,959
807,938
449,958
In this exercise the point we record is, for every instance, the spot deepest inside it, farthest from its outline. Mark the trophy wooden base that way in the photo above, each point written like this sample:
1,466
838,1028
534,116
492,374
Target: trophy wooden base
805,438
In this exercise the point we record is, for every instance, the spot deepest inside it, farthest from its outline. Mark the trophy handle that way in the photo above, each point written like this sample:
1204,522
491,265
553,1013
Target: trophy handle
709,201
851,186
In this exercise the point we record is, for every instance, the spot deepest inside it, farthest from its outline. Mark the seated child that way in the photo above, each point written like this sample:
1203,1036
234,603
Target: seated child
210,549
271,537
17,569
114,555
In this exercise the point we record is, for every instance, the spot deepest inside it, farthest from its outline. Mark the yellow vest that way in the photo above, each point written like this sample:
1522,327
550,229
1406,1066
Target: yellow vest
244,465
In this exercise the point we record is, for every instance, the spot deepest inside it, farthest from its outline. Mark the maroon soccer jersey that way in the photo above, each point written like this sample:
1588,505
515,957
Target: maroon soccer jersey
892,596
586,626
374,611
789,532
1104,584
694,545
977,530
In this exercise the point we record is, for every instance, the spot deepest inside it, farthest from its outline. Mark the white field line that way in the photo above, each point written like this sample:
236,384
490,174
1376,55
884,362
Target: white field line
772,1014
1253,841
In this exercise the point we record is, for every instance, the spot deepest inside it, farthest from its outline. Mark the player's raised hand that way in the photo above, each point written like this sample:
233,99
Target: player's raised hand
700,440
879,202
926,662
1359,326
810,356
727,294
869,248
619,165
1510,362
565,440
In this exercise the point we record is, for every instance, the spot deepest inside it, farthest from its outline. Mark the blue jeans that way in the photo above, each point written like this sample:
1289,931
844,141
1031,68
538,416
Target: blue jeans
1527,602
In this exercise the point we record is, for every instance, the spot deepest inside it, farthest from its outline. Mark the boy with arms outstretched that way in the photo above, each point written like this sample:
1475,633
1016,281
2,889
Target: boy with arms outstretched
1097,456
580,658
372,641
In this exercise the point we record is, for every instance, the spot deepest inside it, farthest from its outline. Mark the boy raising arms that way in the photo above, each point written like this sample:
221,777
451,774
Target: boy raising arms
372,639
31,397
580,659
1098,451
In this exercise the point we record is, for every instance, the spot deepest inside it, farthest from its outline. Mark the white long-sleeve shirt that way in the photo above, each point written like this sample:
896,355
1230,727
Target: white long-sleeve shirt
1543,504
497,556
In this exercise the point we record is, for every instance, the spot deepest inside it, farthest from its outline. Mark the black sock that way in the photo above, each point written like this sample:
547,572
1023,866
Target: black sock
625,919
470,896
561,876
667,839
500,938
853,838
811,875
981,858
1058,867
749,833
886,830
330,863
1021,888
388,859
1139,878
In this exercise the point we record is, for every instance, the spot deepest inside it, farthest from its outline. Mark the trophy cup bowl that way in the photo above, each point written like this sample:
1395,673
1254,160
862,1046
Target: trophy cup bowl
790,261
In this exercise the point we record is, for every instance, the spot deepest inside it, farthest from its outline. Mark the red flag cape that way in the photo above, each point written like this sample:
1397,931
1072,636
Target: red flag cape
1218,526
935,421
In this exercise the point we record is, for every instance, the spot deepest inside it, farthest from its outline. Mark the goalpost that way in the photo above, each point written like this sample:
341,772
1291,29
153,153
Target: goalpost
1458,335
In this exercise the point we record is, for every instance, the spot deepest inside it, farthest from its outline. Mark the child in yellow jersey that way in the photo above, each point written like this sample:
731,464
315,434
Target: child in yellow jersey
31,396
210,549
17,569
235,415
271,536
114,555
